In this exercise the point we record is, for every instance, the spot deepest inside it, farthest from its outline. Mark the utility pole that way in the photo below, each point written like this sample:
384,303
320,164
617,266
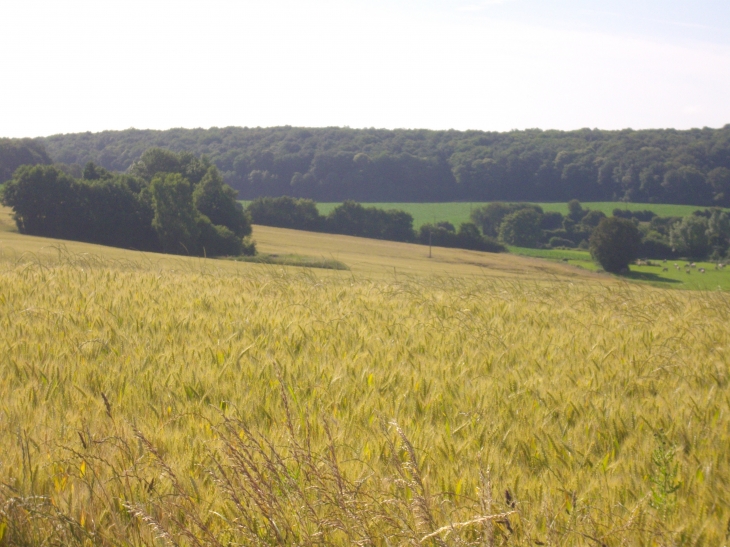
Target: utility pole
430,233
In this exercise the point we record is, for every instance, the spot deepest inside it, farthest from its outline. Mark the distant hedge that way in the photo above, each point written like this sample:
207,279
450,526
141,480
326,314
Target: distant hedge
467,237
351,218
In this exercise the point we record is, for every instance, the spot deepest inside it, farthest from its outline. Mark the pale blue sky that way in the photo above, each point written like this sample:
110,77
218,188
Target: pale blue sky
83,65
674,21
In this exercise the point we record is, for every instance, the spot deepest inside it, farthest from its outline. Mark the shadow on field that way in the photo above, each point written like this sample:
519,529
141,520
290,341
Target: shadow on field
649,276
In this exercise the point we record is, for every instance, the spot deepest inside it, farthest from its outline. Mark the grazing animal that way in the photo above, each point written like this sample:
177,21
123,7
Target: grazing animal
693,265
665,269
702,270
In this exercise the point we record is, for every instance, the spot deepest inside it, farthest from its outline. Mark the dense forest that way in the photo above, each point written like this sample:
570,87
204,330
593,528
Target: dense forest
17,152
167,202
337,164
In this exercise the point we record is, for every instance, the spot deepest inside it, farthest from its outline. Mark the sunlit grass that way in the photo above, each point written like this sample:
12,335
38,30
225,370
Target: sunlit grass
677,274
293,260
137,394
458,212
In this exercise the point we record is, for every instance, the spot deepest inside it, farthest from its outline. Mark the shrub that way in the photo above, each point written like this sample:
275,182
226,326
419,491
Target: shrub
654,246
562,234
615,243
521,228
641,216
351,218
551,220
468,237
689,236
561,242
490,217
575,210
286,212
592,219
217,240
175,220
216,200
46,202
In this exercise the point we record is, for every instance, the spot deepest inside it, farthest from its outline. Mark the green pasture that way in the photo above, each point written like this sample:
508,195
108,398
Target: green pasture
458,212
675,277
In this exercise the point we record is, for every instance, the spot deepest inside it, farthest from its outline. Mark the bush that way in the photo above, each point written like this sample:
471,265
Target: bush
653,246
592,219
46,202
117,215
286,212
689,237
641,216
615,243
248,247
468,237
490,217
561,242
351,218
167,214
551,220
521,228
217,201
663,225
218,240
175,220
560,233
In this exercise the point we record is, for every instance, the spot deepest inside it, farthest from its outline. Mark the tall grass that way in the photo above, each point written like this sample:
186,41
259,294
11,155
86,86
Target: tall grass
158,405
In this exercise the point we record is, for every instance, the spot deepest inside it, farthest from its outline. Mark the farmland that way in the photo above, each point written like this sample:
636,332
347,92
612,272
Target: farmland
463,399
677,276
458,212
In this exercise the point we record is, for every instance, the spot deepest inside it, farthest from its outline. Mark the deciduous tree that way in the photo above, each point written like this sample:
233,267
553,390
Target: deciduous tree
615,243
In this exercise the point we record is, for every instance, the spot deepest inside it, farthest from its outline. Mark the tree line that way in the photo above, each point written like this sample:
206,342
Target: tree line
374,165
179,203
166,202
17,152
351,218
705,234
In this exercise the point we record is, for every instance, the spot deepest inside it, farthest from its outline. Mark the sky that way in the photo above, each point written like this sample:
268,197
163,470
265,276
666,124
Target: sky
493,65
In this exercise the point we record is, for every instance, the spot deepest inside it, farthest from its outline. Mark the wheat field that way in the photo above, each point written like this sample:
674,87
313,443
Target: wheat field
169,401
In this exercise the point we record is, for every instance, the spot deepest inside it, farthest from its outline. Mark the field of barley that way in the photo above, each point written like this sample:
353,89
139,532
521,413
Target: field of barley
466,399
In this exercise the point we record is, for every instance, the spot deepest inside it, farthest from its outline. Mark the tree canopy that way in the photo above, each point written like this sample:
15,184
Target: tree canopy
377,165
17,152
615,243
175,203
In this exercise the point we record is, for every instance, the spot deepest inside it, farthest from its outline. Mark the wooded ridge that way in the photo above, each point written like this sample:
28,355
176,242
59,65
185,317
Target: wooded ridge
336,164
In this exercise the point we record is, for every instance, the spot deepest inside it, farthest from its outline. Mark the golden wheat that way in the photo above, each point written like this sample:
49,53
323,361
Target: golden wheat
192,405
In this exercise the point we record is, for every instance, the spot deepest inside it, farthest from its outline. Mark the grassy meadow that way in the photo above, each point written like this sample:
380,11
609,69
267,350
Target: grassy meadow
463,399
458,212
679,274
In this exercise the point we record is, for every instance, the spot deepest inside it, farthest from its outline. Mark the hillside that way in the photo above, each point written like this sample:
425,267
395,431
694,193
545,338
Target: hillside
17,152
466,399
362,256
373,165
